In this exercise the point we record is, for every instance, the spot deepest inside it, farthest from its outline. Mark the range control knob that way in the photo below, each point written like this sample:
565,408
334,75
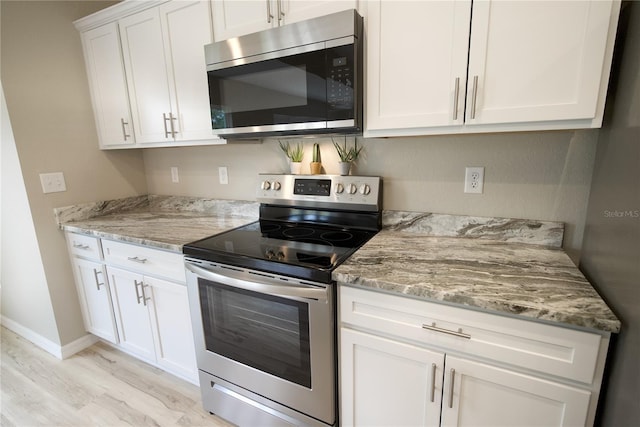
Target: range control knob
339,188
365,189
352,189
275,185
265,185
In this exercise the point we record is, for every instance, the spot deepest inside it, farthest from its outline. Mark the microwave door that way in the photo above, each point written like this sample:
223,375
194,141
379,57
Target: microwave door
277,94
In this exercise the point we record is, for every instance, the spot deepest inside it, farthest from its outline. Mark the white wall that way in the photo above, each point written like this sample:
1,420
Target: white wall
22,275
47,95
538,175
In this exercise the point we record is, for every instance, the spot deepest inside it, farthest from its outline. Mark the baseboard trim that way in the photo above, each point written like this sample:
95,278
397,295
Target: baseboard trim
61,352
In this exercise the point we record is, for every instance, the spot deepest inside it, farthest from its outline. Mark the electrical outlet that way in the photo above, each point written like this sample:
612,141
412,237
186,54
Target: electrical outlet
223,175
174,175
474,180
52,182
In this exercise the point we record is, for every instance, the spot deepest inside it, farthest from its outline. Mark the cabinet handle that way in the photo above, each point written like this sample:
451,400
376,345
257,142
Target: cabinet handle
457,333
81,246
171,119
456,94
433,382
269,15
138,260
124,131
95,275
135,285
280,12
474,96
164,120
451,381
145,298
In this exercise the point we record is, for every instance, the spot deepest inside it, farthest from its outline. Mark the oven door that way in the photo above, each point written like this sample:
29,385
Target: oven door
270,335
305,89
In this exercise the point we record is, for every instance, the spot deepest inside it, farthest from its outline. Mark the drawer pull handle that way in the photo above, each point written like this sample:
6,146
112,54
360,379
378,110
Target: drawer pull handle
81,246
451,382
457,333
433,382
138,260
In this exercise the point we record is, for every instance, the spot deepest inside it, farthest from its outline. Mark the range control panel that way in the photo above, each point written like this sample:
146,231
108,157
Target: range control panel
321,191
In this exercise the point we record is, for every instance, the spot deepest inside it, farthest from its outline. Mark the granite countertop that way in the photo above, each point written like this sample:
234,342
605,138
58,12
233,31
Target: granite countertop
163,222
432,258
505,266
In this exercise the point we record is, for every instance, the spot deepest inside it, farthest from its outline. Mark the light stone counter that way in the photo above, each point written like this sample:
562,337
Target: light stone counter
164,222
438,258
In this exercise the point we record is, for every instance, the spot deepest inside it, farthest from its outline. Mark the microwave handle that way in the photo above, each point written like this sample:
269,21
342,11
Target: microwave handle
290,291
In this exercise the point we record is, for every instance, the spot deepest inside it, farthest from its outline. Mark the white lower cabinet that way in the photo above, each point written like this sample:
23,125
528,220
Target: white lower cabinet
172,333
477,394
387,383
153,318
132,314
405,362
95,298
126,299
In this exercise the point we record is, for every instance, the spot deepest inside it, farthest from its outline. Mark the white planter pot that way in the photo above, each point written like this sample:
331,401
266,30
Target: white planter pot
296,167
344,168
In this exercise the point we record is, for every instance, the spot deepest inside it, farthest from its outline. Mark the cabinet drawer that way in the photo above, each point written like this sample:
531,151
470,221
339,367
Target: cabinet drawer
144,260
84,246
554,350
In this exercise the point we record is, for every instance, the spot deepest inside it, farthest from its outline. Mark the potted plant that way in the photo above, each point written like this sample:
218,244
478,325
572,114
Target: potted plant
294,154
347,155
316,163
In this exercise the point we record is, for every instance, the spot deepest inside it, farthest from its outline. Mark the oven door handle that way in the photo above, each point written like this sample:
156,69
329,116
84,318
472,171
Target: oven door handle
296,291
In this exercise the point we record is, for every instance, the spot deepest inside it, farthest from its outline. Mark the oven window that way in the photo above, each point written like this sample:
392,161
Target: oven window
266,332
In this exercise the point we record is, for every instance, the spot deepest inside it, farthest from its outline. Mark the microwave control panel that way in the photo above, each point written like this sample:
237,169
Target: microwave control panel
340,83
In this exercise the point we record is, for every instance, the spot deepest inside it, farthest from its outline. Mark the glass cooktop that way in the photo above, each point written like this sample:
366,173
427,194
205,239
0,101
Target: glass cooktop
289,249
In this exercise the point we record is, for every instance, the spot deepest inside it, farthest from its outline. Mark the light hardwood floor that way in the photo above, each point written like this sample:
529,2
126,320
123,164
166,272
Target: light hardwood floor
99,386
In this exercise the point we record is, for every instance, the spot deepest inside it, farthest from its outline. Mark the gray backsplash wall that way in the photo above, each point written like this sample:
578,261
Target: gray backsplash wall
534,175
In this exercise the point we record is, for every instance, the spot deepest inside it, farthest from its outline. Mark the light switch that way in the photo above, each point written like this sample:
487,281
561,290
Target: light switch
53,182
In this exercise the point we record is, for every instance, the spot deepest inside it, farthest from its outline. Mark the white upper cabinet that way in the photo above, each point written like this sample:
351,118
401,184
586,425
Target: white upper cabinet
148,58
108,85
449,67
166,74
233,18
417,63
147,78
536,61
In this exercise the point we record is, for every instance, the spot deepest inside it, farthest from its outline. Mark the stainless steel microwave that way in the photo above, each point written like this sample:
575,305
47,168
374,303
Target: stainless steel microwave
301,78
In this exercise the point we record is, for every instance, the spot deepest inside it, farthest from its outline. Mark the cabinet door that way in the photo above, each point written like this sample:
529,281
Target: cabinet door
417,63
232,18
187,28
294,10
108,85
536,60
95,299
476,394
132,315
147,80
388,383
173,336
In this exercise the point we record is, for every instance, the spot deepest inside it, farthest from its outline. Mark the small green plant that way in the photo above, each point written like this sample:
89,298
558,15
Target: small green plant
316,153
347,155
294,153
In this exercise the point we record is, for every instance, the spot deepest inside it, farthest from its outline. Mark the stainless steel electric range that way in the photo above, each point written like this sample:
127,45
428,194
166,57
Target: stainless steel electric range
263,301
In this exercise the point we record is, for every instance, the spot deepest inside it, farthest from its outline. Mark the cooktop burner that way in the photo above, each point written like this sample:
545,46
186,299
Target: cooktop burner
300,250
